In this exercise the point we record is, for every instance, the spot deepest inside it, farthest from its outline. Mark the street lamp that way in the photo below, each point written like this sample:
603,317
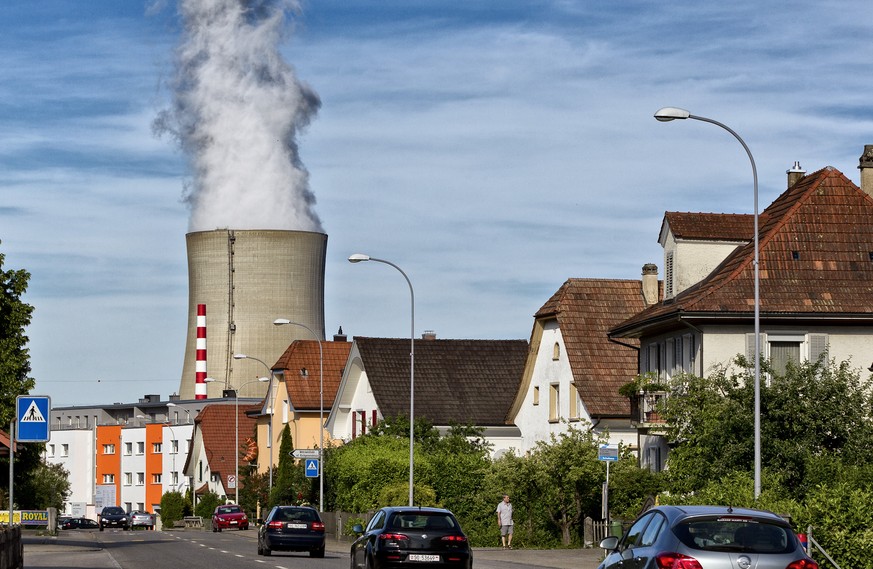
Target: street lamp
671,113
357,258
270,426
285,321
236,444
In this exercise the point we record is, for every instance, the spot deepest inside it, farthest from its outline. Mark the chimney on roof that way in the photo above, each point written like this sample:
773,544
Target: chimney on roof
866,166
795,173
650,283
339,336
428,335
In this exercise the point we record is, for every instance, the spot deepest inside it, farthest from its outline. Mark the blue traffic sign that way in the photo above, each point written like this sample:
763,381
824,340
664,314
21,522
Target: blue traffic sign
33,414
312,468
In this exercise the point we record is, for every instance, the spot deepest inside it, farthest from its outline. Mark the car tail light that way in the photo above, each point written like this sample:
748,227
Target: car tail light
454,538
275,525
805,563
676,561
317,526
393,537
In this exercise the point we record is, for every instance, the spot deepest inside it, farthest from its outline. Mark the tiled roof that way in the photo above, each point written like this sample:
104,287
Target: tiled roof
217,427
303,391
460,381
711,226
816,260
586,309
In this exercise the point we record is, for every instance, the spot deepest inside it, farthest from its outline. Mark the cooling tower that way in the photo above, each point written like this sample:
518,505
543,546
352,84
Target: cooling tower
246,279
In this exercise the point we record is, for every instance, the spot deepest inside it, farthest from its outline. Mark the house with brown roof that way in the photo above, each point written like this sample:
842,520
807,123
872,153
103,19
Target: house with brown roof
455,382
573,370
304,395
815,298
219,448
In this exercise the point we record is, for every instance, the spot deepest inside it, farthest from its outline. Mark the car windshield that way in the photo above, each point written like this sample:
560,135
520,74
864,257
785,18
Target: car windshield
228,510
735,534
422,520
112,511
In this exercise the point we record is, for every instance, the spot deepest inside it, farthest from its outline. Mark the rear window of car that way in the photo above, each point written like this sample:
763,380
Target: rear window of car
432,521
295,515
736,534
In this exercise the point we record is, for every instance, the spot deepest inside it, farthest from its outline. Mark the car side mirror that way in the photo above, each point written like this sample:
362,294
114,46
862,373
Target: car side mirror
358,529
609,543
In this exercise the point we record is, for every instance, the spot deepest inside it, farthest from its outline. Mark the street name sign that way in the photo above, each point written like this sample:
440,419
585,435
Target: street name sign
305,453
33,413
608,453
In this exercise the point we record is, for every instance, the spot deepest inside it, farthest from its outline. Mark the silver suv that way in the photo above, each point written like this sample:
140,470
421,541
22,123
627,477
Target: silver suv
706,537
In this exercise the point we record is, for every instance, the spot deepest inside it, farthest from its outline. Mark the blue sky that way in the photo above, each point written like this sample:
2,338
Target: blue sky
490,149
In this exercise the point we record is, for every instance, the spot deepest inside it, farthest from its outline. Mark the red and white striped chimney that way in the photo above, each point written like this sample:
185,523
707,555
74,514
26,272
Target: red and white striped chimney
200,368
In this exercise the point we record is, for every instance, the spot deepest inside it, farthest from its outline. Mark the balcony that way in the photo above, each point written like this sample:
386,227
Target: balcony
644,409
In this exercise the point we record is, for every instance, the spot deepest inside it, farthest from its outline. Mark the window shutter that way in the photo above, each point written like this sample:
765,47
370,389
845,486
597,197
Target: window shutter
818,346
750,347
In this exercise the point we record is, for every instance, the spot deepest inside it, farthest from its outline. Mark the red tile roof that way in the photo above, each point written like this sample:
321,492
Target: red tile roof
217,427
711,226
456,381
303,391
816,261
585,310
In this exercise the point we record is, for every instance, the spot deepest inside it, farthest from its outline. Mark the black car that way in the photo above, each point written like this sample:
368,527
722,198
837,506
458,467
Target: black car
79,523
114,517
291,528
411,536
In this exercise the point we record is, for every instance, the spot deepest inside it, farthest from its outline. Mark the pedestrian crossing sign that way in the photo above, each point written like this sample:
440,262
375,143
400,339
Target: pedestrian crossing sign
33,413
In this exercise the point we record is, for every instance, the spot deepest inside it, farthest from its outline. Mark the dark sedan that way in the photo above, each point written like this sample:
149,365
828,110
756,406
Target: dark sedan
114,517
411,536
291,528
79,523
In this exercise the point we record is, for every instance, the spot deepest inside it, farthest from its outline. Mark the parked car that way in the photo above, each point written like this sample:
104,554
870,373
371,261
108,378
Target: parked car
114,517
139,518
229,516
711,537
401,536
79,523
291,528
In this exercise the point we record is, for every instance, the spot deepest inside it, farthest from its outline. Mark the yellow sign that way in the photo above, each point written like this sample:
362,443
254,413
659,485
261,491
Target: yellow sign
25,517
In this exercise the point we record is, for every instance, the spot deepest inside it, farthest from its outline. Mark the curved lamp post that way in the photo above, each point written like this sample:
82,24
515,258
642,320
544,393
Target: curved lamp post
284,322
236,417
672,113
357,258
270,426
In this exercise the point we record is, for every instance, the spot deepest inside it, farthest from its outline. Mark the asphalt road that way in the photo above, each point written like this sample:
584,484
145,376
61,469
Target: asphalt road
192,549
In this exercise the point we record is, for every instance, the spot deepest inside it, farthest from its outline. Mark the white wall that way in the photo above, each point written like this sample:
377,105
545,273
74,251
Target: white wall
79,462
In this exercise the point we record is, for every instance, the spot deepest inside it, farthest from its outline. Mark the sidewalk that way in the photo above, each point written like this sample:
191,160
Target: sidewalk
554,558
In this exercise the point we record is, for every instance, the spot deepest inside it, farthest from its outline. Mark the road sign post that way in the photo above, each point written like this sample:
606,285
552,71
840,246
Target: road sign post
607,454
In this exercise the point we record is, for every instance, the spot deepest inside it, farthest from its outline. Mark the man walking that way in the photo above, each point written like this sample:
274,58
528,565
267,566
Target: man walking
504,521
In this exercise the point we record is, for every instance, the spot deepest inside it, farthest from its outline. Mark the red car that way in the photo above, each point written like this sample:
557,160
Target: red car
229,516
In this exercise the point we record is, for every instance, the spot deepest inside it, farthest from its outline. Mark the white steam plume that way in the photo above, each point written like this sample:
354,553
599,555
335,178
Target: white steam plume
237,111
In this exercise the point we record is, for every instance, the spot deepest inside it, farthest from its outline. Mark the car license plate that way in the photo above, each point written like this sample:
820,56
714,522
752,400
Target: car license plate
296,526
419,557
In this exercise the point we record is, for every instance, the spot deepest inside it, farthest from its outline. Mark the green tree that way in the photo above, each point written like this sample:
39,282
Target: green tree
290,485
172,508
15,315
49,487
813,410
207,504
